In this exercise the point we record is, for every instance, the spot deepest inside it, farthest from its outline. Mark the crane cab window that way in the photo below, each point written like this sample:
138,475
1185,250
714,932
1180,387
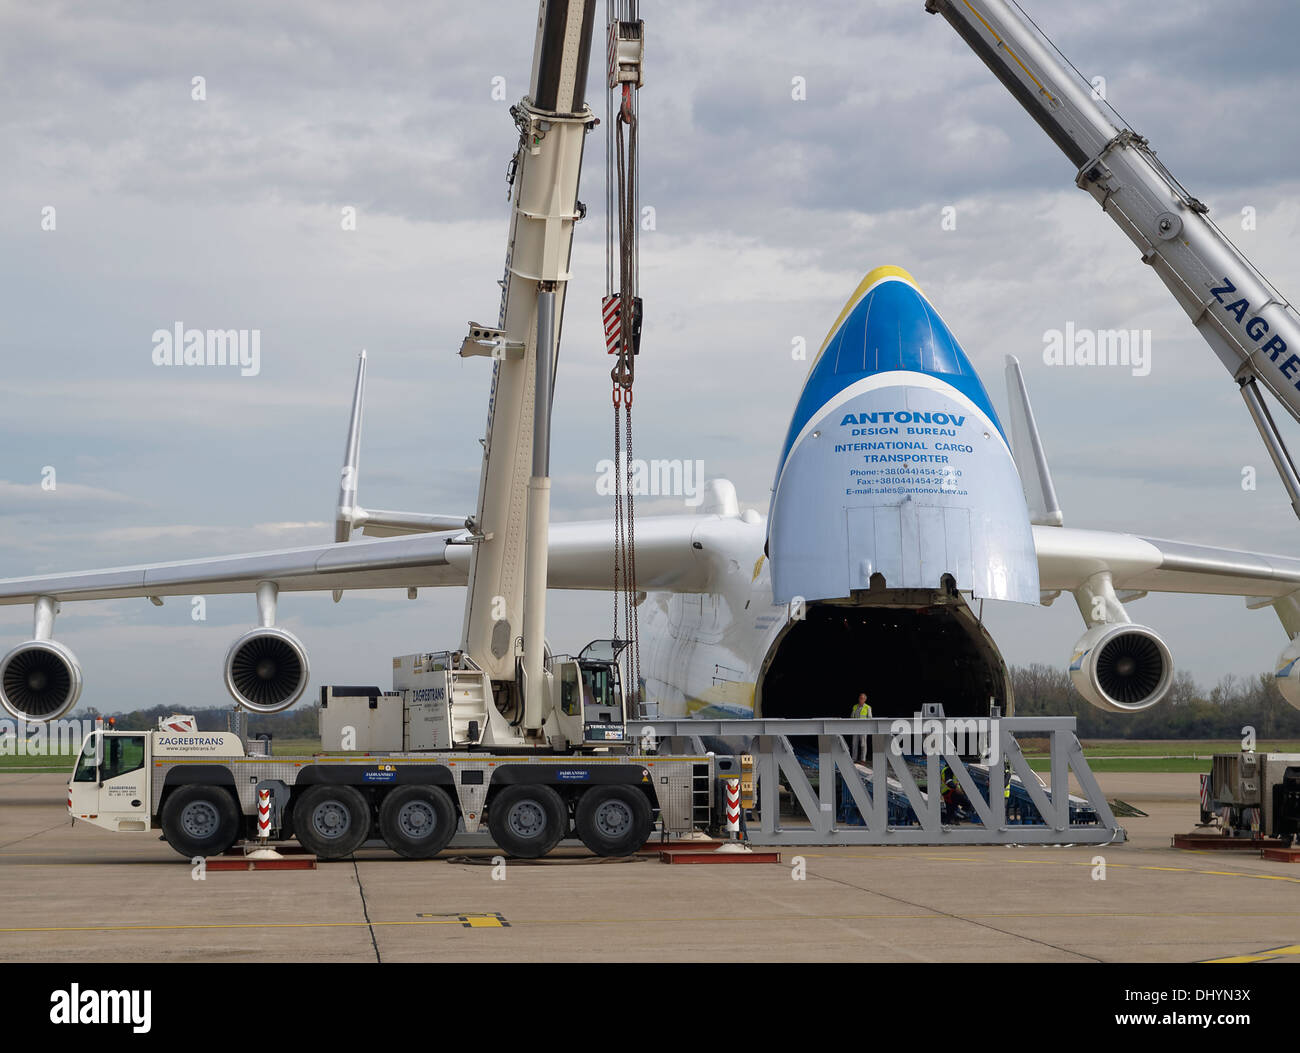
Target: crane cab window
570,695
600,692
123,754
87,762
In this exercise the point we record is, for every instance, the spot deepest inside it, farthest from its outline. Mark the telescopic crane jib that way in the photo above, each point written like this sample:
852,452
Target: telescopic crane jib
504,629
1249,325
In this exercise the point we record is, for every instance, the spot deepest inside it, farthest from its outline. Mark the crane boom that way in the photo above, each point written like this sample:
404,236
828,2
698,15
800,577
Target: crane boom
1249,325
507,572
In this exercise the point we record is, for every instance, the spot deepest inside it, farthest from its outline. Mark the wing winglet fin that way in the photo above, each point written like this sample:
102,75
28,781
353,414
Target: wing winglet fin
1027,449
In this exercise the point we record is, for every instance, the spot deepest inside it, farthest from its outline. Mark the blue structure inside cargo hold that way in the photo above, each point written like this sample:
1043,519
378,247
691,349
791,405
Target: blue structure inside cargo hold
1021,805
900,810
1020,809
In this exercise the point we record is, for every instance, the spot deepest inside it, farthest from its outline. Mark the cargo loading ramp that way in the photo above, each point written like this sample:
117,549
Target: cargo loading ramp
1056,816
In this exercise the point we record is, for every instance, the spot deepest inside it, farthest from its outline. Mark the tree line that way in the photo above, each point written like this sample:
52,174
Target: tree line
1188,712
300,722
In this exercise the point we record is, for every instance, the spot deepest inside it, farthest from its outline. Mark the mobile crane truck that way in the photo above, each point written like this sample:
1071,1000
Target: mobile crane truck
496,731
413,772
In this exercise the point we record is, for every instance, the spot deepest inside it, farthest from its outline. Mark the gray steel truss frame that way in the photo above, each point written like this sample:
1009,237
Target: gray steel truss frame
774,758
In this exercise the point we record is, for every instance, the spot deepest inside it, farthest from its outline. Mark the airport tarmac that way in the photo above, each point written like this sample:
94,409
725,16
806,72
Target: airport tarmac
83,894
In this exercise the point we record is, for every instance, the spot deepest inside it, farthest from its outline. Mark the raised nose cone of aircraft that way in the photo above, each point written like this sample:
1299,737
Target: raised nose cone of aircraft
896,464
887,325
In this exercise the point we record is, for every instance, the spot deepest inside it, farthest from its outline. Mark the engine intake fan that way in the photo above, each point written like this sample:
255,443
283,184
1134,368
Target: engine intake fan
39,680
1122,668
266,670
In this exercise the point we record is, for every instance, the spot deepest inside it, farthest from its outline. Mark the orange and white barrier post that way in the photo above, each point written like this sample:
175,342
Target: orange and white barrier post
264,814
733,809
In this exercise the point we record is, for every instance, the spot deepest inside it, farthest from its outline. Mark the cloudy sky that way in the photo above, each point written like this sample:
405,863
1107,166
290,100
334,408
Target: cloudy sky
225,213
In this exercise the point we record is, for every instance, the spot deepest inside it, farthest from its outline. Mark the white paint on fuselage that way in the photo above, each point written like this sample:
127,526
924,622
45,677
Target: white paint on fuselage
702,652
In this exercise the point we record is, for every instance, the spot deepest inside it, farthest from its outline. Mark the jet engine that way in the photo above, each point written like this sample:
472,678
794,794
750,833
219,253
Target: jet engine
266,669
1121,668
39,680
1287,673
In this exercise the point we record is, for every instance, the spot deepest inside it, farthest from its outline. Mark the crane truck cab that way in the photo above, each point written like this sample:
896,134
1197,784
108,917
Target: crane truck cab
111,784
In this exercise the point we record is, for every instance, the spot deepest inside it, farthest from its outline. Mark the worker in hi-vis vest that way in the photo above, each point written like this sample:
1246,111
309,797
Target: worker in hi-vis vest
949,791
861,743
1006,787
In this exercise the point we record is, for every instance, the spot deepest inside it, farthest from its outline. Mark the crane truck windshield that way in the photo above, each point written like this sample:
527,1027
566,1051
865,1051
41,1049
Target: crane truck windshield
120,754
88,762
598,687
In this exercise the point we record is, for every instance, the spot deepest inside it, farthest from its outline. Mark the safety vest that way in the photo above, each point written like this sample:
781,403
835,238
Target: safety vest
1006,778
862,710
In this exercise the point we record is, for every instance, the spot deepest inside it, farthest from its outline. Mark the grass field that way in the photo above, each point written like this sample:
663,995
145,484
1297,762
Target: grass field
54,762
1151,764
1127,755
1162,748
62,762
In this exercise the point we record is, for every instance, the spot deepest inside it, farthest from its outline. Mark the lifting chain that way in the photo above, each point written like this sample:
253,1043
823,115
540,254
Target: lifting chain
621,267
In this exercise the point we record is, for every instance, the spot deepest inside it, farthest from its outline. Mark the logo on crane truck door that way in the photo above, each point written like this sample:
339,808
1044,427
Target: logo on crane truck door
1256,328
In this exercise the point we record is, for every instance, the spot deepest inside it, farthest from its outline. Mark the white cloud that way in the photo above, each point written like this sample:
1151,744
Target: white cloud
226,214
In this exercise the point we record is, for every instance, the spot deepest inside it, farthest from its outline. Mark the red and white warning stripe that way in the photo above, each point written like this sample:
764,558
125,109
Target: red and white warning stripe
612,318
1205,793
264,813
733,806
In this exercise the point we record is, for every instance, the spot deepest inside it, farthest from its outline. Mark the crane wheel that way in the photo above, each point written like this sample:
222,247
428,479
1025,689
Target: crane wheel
200,820
527,821
331,822
417,821
614,820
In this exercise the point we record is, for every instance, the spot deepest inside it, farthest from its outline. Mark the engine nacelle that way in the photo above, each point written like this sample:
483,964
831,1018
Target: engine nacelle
266,669
1121,668
1286,673
39,680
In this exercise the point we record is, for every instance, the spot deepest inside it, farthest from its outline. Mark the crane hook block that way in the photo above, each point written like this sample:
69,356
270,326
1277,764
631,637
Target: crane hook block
626,50
612,316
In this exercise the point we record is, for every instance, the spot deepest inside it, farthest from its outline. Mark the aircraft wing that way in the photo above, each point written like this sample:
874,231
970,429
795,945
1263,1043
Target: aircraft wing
581,557
424,559
1067,557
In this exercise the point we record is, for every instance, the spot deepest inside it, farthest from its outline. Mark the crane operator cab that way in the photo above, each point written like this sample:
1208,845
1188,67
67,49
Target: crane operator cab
592,710
110,784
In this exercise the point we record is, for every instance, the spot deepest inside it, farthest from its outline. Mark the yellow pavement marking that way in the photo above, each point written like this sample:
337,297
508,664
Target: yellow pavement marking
1261,956
493,920
997,860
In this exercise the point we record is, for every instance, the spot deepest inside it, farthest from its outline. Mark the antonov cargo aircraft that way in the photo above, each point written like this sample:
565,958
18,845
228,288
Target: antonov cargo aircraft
899,499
